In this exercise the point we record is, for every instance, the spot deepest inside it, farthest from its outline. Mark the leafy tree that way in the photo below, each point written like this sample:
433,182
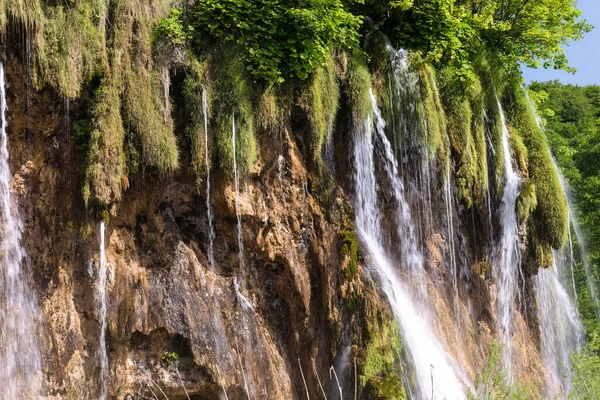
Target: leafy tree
493,383
278,38
586,371
455,32
571,115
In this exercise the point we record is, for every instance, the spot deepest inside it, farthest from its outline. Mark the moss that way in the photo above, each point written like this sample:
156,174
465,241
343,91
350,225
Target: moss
319,99
231,98
466,131
105,216
195,86
356,88
519,150
543,255
527,201
146,103
270,114
380,361
349,249
551,214
434,114
105,166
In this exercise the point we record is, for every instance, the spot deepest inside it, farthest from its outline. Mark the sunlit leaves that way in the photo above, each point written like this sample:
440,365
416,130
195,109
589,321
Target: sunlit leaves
281,39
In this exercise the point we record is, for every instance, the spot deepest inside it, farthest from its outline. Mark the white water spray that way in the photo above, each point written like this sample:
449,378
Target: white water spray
211,231
102,278
20,363
560,329
422,347
506,267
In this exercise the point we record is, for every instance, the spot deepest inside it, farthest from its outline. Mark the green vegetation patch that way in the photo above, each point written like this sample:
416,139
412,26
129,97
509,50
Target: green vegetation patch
381,370
551,214
105,169
319,99
232,99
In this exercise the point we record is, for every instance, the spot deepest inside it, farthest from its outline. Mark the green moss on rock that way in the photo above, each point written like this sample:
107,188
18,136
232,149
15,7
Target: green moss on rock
232,98
551,214
319,99
380,361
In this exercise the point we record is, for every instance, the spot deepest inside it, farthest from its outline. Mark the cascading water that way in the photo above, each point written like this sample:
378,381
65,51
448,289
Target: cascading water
507,263
102,278
433,372
238,287
580,243
20,363
560,328
209,216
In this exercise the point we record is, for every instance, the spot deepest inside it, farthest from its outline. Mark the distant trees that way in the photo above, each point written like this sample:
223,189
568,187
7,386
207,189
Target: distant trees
572,119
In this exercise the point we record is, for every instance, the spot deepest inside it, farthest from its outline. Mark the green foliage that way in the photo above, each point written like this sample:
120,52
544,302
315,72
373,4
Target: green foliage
171,29
277,38
320,101
551,214
586,371
232,99
493,383
572,124
454,33
168,358
380,361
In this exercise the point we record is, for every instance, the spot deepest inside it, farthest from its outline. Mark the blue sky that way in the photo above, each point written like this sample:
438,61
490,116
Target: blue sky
583,55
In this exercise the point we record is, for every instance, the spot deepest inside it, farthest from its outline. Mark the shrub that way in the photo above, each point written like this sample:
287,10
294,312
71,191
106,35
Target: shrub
278,39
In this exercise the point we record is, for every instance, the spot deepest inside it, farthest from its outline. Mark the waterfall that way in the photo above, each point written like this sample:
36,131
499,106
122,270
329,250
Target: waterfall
209,216
102,278
237,205
560,329
451,245
506,268
434,374
580,243
20,361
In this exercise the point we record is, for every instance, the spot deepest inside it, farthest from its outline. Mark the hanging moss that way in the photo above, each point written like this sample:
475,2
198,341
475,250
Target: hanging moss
356,87
146,85
105,167
269,112
434,114
466,130
527,201
349,249
319,99
232,98
194,86
380,361
551,214
70,45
